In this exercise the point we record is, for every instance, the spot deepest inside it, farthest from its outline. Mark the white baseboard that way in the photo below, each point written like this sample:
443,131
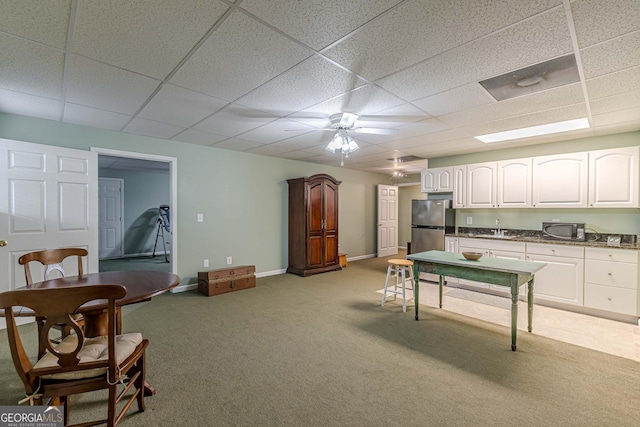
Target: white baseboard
356,258
192,286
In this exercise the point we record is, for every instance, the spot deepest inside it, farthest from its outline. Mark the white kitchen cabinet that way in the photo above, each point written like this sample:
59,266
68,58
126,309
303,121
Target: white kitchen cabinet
437,180
560,181
459,187
611,280
514,183
451,245
491,248
613,178
561,280
481,185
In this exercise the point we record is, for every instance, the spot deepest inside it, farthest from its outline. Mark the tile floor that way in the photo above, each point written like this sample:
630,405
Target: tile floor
609,336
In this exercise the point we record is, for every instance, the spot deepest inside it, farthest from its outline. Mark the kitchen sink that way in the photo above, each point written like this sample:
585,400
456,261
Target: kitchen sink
493,236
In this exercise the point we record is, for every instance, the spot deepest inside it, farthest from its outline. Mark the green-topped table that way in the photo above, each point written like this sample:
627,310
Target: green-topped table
497,271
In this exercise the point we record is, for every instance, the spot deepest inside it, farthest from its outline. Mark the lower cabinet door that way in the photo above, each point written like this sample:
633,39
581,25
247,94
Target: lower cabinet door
560,281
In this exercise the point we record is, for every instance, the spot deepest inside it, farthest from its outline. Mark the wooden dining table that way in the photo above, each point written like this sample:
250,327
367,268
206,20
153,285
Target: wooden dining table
141,285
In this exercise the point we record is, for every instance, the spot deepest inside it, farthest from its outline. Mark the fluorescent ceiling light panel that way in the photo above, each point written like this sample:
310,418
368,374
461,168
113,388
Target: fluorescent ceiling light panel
547,129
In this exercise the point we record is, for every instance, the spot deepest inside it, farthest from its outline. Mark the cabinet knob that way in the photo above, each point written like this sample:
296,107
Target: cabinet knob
609,274
609,298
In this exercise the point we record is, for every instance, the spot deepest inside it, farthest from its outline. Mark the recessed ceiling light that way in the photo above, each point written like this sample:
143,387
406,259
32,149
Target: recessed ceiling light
547,129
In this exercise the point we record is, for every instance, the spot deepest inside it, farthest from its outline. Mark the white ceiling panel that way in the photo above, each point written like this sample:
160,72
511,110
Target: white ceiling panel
234,119
146,36
240,47
179,106
30,67
45,22
309,83
238,75
312,21
30,105
195,136
151,128
598,20
88,116
109,88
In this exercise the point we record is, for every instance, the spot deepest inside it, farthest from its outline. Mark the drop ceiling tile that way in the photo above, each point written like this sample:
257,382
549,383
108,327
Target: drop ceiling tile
268,150
317,23
179,106
418,30
534,119
536,40
101,86
194,136
313,81
409,130
614,103
611,56
237,144
29,105
88,116
30,67
547,100
240,47
617,128
430,139
234,119
614,83
597,20
277,130
460,98
620,116
297,155
42,21
147,36
151,128
311,139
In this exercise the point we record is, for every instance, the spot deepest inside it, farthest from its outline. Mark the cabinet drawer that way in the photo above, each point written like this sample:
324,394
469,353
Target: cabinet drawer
609,254
499,245
555,250
617,274
608,298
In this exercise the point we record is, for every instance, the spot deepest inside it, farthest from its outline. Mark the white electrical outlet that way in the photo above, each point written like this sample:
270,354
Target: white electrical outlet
200,217
206,263
229,260
469,220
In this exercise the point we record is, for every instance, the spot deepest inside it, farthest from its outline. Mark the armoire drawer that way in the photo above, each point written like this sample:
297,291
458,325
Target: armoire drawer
609,298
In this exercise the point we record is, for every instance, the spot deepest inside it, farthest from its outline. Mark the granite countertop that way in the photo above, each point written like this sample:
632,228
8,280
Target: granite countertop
598,240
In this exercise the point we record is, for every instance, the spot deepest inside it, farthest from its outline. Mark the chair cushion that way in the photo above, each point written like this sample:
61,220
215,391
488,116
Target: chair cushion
92,350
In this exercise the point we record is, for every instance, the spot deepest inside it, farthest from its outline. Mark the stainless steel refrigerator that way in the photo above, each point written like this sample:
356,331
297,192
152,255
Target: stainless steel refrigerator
430,220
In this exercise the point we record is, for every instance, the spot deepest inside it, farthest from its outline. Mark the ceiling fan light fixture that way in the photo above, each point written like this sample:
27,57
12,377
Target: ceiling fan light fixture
335,144
528,132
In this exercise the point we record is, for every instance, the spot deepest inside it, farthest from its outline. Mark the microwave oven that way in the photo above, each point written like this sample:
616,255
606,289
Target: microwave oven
564,230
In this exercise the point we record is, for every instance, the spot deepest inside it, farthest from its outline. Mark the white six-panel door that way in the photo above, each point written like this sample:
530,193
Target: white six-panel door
387,220
48,199
110,221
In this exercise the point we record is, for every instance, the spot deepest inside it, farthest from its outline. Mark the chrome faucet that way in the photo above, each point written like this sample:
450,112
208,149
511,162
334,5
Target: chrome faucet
499,232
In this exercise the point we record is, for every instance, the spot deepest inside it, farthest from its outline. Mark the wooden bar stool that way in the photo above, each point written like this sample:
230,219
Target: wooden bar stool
398,267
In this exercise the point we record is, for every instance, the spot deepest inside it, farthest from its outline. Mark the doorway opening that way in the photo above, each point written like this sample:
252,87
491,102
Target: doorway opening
147,182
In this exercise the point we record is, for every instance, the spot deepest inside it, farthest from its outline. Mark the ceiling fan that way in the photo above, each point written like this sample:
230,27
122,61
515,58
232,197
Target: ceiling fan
344,123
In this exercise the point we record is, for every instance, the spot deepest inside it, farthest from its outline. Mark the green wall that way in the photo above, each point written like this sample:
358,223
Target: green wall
625,221
243,196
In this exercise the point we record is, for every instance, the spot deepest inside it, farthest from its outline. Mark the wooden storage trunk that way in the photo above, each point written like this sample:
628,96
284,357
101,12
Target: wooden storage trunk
215,282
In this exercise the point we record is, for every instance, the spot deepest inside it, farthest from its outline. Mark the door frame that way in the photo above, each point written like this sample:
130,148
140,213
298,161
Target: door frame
121,237
173,196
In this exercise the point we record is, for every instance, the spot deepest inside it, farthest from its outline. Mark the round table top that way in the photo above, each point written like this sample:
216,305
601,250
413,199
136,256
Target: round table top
141,285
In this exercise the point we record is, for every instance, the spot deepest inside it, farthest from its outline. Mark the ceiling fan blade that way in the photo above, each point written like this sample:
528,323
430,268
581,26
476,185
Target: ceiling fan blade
348,119
376,131
310,130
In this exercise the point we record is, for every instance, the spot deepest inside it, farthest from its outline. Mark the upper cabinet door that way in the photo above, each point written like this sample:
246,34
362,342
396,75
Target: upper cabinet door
560,181
481,185
437,180
514,183
613,178
459,187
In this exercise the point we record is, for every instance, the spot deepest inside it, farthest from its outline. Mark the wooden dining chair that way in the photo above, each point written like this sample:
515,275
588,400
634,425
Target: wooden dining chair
78,364
52,259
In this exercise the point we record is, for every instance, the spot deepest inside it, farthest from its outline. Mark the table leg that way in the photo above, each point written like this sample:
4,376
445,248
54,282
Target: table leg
530,304
514,316
416,286
440,285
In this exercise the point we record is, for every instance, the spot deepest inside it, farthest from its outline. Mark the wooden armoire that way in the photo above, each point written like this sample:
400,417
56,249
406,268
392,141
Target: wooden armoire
313,225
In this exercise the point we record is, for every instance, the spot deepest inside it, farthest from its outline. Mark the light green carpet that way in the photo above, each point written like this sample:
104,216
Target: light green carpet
320,351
